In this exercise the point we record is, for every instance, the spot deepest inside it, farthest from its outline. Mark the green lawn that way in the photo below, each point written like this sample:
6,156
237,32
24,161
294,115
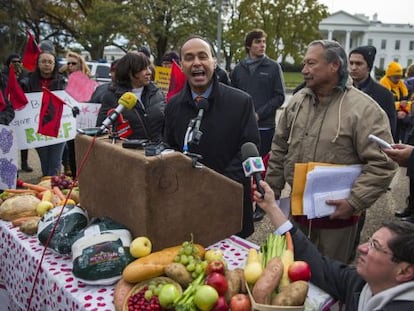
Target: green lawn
292,79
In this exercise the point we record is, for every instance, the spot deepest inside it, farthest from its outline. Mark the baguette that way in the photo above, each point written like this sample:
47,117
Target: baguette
153,265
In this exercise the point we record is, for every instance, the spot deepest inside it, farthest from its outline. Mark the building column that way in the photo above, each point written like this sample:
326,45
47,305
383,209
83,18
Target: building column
330,34
347,41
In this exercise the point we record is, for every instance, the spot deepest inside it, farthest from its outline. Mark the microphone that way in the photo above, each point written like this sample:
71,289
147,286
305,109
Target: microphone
202,104
252,164
128,100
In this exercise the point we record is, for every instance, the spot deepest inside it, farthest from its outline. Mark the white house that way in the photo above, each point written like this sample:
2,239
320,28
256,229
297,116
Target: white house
394,42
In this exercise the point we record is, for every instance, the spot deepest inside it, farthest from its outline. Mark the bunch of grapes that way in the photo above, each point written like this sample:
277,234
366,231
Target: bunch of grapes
6,140
189,257
138,301
62,181
8,172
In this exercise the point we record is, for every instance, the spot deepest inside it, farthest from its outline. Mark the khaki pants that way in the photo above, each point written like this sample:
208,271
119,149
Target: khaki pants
334,243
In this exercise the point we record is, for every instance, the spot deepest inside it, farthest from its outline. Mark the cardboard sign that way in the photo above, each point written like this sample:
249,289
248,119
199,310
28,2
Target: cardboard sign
8,157
162,78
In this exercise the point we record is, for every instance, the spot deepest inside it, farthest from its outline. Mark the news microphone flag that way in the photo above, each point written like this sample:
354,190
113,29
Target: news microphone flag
50,114
31,53
253,165
14,91
177,81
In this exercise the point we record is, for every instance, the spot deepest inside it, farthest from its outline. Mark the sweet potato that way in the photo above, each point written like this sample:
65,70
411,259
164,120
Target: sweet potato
178,272
293,294
268,281
122,288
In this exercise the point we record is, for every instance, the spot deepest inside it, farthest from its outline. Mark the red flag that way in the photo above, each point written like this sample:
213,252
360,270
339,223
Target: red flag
2,102
177,81
50,114
14,91
31,52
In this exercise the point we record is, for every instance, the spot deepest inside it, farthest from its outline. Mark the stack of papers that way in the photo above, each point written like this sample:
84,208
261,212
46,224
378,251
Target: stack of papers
327,183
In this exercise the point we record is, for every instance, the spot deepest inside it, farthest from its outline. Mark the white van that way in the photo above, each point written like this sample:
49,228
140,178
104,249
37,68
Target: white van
100,72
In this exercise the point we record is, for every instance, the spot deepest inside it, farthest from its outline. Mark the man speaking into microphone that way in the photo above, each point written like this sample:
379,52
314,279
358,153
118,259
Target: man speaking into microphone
133,74
227,119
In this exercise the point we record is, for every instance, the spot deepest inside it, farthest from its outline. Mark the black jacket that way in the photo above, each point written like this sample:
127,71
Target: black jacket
146,119
265,85
227,123
384,98
6,115
339,280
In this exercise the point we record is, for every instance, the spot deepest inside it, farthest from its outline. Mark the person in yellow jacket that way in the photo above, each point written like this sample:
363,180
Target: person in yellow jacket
392,80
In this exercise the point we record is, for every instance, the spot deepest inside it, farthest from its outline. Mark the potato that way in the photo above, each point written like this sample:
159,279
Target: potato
268,281
30,226
234,283
243,288
178,273
293,294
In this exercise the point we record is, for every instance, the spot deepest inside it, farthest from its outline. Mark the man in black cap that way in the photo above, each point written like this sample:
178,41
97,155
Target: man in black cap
361,61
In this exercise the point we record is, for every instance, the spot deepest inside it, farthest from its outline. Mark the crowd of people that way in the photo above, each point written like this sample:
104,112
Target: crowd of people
328,120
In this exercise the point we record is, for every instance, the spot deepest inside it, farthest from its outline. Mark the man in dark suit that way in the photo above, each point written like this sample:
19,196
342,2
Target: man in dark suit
227,123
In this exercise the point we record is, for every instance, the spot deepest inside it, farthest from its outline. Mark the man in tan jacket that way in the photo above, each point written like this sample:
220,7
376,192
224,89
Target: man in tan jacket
329,121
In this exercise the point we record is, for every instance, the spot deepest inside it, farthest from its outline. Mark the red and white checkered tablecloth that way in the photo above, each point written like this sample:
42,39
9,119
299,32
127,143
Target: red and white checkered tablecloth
57,289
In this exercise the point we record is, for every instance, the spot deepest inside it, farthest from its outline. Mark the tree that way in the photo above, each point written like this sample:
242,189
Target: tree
290,25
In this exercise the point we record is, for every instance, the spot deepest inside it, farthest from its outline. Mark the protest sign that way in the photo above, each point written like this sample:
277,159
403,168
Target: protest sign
8,157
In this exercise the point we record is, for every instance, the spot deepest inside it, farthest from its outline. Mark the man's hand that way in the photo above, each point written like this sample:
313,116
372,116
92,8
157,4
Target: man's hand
344,210
400,153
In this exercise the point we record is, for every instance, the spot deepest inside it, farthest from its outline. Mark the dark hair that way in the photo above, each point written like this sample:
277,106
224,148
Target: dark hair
254,34
213,51
334,52
10,57
130,63
56,65
402,244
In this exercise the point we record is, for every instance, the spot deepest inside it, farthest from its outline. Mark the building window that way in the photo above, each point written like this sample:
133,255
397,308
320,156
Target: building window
411,45
370,42
383,44
397,44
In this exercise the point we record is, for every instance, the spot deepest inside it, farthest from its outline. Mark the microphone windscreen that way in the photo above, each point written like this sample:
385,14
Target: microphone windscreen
249,150
128,100
202,103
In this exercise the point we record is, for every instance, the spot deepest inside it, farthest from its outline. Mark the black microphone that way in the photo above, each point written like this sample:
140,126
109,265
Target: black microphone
128,100
202,104
252,164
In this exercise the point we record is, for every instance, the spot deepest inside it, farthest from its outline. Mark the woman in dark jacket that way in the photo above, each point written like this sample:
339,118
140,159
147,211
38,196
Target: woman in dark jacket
146,119
46,75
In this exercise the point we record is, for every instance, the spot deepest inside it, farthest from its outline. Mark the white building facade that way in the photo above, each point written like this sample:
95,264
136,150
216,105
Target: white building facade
394,42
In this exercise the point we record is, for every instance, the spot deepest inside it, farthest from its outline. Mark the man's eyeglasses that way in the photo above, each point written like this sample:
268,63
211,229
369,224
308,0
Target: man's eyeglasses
45,61
374,244
16,61
72,63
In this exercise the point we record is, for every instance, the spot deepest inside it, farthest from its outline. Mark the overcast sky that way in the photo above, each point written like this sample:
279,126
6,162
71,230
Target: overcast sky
396,11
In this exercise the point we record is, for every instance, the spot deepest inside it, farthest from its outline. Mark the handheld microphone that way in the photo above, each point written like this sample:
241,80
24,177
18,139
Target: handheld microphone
252,164
128,100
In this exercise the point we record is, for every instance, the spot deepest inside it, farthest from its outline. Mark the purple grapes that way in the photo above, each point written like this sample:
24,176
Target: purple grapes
8,173
6,140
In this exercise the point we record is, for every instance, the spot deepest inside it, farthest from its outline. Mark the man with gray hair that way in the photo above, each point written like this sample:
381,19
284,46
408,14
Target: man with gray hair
329,121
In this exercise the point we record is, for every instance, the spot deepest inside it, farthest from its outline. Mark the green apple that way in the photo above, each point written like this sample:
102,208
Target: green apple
168,294
140,247
205,297
213,254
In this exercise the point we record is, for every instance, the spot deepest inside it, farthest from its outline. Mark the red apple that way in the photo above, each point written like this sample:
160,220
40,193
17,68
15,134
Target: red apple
221,304
215,266
240,302
218,281
299,270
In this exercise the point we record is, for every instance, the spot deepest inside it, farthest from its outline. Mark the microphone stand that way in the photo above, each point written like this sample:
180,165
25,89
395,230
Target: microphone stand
192,136
113,134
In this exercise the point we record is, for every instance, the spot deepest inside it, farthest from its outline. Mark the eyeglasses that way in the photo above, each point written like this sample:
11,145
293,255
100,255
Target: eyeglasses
72,63
374,244
16,61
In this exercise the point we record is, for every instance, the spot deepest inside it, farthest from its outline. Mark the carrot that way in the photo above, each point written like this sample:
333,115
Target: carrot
22,184
20,191
289,241
59,193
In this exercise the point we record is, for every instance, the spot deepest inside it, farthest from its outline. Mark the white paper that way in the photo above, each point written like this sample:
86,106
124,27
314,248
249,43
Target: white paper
327,180
319,199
